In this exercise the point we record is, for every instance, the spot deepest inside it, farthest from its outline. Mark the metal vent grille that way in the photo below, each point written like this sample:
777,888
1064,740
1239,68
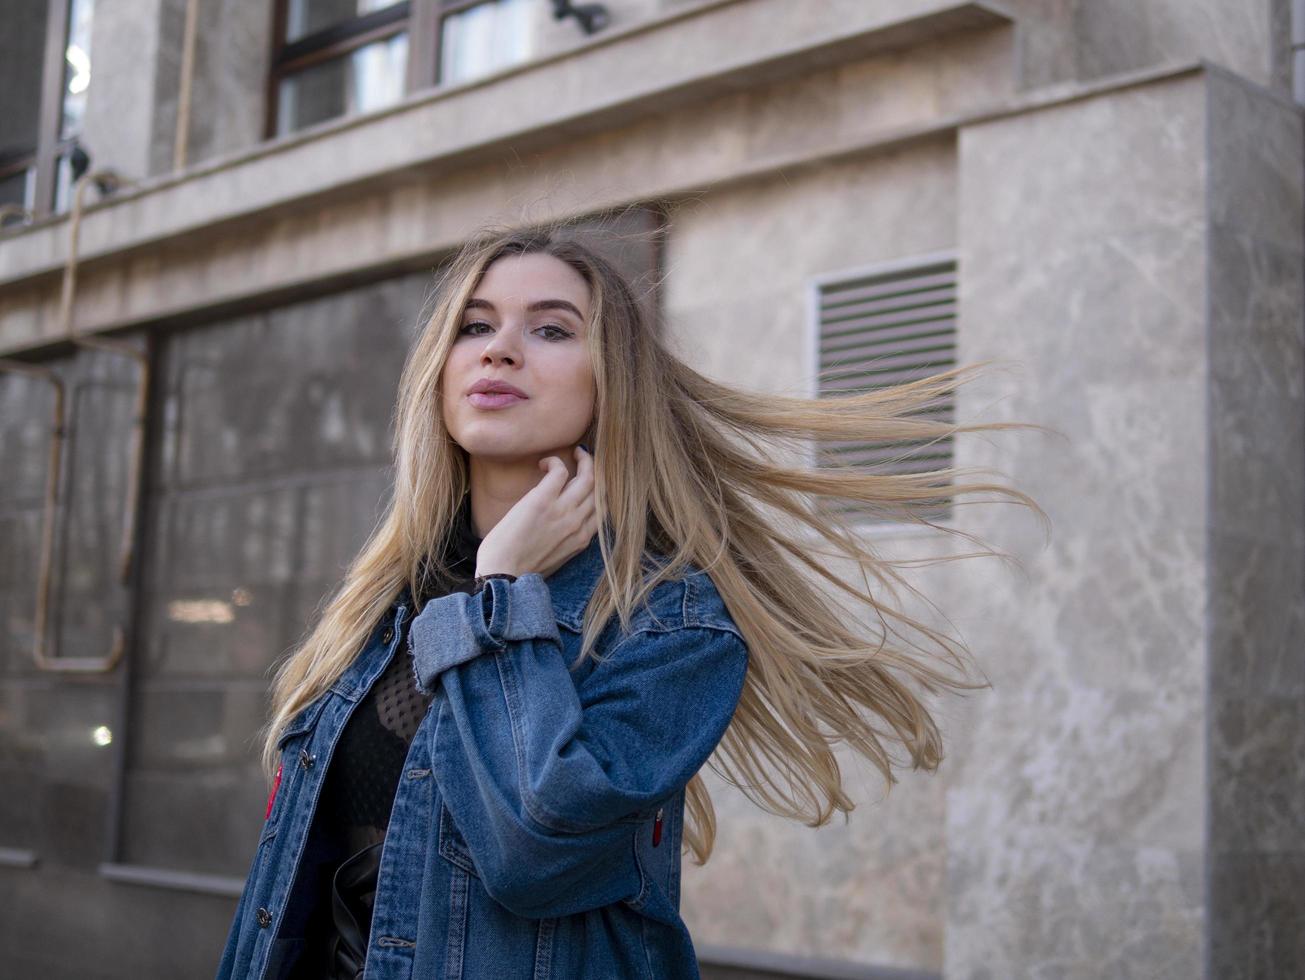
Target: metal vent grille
885,329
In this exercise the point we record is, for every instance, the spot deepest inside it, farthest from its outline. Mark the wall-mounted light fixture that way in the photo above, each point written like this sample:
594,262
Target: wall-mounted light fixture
593,17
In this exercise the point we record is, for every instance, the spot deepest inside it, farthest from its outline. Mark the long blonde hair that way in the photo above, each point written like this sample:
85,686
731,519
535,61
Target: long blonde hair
688,466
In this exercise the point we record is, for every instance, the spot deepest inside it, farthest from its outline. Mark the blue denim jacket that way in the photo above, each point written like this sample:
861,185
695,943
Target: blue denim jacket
536,830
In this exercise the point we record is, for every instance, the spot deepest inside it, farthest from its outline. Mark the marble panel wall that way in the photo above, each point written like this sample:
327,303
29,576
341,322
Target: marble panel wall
1062,40
1119,35
1257,533
1076,808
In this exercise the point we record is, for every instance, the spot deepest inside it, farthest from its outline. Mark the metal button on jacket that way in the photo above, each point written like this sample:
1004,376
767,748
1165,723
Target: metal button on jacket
388,635
264,918
305,760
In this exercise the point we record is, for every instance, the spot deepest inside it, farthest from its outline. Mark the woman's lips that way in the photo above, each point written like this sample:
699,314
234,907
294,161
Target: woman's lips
493,399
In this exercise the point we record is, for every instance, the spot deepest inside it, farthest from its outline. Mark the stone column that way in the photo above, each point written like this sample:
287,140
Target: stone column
1122,803
1256,485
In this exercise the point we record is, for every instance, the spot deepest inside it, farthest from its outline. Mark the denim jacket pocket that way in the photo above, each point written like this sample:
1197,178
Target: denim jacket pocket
304,721
291,744
452,846
642,815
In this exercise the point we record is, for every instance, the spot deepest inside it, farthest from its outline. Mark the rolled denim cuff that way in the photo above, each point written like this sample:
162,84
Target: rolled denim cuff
454,628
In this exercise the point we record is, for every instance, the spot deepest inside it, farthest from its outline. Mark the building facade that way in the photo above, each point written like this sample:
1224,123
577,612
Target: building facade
200,349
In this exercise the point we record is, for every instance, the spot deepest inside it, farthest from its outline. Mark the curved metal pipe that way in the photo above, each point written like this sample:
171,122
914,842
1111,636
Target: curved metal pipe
43,654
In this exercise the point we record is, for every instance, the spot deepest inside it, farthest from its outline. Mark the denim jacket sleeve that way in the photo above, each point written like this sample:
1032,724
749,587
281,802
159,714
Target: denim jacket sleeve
544,779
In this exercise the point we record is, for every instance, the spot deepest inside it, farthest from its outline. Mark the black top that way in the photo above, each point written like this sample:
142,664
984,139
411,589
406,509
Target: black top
363,777
359,790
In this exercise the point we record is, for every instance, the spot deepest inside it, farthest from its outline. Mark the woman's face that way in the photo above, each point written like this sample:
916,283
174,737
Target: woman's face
525,325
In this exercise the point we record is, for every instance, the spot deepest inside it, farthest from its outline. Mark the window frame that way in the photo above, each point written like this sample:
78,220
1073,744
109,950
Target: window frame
49,146
422,19
337,40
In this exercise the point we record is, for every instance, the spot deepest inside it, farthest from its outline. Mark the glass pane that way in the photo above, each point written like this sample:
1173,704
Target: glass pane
303,17
272,466
368,78
58,736
377,74
485,38
22,46
77,66
18,188
63,185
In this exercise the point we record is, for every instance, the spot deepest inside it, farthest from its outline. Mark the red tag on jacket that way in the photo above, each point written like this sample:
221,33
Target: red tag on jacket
276,784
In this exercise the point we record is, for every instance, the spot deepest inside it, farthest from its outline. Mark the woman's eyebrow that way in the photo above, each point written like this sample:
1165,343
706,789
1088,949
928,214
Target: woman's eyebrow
541,304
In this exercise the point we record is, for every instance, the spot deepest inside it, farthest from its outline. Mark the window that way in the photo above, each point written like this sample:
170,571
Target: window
477,38
336,58
43,90
260,492
73,92
21,47
880,327
333,58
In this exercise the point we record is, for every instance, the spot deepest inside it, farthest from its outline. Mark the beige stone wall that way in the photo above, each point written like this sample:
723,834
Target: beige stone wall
1076,812
1065,40
394,190
1118,807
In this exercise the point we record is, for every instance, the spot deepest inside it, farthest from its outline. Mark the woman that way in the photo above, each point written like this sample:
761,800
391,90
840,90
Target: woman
487,750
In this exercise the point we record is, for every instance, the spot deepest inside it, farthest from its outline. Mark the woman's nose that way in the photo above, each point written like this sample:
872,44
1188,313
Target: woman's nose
501,345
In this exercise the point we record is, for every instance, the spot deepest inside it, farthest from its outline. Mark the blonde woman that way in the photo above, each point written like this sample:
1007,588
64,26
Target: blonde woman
486,753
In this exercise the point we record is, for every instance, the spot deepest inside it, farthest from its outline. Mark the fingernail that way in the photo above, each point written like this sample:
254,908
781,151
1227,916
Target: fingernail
585,448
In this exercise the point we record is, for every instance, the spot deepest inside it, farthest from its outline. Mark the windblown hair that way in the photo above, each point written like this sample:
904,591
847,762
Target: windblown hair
692,469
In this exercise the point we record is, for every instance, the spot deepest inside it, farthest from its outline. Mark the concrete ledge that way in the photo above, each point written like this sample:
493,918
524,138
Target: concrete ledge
17,857
400,229
648,69
134,874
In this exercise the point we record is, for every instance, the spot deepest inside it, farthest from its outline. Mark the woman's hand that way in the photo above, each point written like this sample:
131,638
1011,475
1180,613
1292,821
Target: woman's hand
555,520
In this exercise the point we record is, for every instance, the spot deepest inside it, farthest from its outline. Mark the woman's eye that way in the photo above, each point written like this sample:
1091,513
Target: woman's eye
554,332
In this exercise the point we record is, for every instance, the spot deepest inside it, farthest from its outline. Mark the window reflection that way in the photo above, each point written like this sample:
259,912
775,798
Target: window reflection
22,43
18,188
304,17
77,67
485,38
367,78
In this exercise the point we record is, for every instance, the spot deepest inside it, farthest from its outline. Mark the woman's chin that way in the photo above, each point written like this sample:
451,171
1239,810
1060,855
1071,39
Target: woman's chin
500,454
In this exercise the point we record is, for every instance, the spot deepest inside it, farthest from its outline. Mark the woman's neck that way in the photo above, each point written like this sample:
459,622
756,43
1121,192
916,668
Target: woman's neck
496,485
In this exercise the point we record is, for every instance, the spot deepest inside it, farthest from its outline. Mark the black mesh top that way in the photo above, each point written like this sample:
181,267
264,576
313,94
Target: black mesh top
363,776
360,785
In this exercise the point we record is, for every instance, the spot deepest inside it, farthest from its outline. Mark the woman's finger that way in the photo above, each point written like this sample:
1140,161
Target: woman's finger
582,484
555,476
